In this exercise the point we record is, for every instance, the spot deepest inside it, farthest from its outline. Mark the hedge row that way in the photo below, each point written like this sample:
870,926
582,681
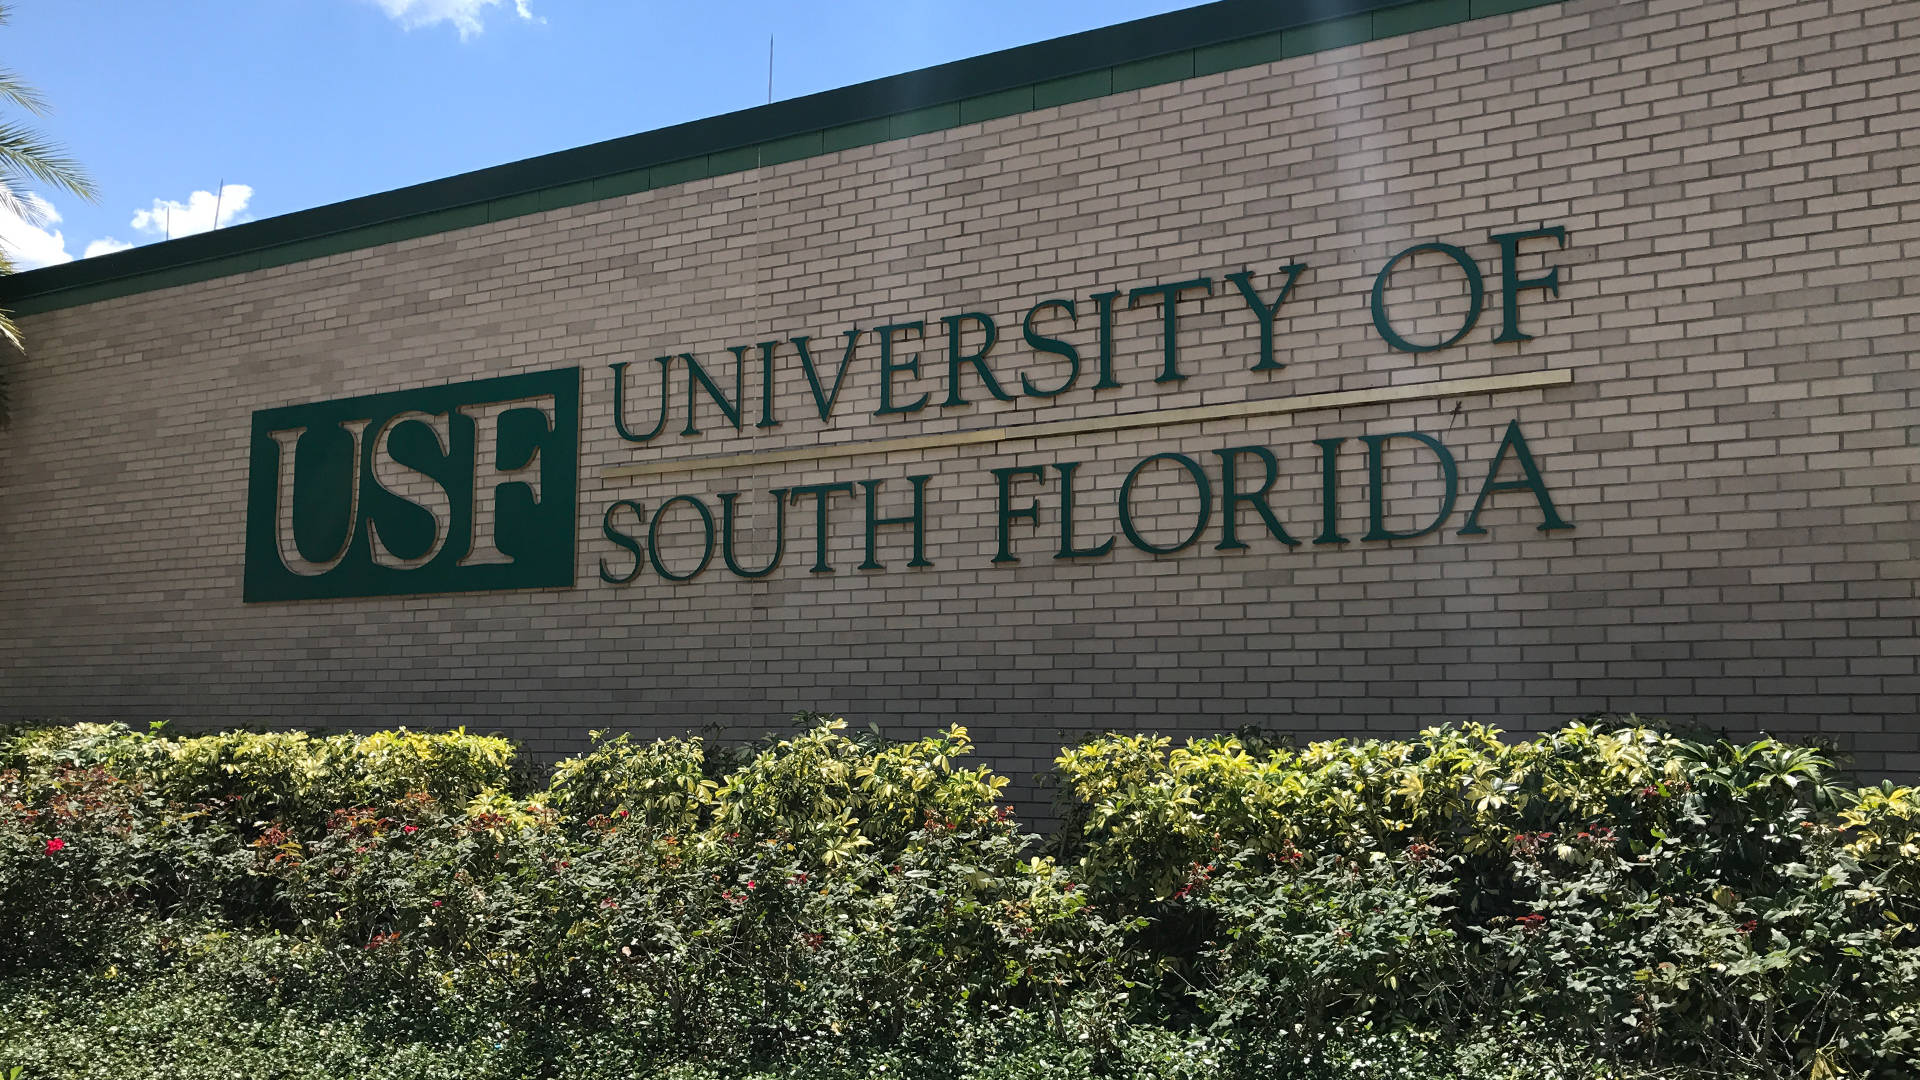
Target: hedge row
1598,902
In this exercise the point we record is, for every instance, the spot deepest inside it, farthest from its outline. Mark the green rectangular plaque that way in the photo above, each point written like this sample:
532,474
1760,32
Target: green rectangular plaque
468,487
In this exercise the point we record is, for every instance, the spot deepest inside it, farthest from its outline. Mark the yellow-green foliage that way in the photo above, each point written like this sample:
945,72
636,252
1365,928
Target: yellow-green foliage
450,765
826,787
1145,806
300,774
1883,826
1883,818
114,747
500,812
662,782
282,773
820,787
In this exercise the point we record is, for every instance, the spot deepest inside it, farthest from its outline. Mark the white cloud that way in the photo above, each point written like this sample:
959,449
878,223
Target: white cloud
31,245
170,219
465,15
35,243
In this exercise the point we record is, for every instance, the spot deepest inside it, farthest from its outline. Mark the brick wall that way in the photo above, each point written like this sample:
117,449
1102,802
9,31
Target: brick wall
1734,441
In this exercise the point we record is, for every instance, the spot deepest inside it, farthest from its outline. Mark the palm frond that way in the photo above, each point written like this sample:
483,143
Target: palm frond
26,156
14,89
25,153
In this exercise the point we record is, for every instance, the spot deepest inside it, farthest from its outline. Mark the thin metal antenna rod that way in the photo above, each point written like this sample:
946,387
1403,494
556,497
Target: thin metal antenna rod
219,192
769,69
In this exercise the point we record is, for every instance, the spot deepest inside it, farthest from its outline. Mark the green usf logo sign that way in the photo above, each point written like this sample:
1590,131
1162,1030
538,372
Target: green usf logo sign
457,488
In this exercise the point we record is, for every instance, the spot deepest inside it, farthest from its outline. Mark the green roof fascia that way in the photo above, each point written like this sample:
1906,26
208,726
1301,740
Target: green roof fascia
1162,49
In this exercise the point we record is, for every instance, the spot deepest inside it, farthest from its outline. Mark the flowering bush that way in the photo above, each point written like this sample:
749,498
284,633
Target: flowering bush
1598,902
84,855
1655,902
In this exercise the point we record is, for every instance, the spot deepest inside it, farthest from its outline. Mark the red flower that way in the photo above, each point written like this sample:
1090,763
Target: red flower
751,884
55,846
410,828
1531,922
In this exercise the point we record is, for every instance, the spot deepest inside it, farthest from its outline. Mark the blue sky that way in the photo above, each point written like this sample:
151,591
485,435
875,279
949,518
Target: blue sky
252,108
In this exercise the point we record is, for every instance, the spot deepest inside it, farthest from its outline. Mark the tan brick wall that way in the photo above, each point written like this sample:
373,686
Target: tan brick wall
1739,308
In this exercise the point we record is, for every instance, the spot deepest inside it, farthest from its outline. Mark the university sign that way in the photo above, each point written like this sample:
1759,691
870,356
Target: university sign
472,486
460,488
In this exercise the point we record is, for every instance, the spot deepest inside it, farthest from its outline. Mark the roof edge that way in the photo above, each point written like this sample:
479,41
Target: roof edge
1202,40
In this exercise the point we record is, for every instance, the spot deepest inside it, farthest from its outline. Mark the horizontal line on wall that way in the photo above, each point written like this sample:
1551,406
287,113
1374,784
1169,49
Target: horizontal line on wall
1339,399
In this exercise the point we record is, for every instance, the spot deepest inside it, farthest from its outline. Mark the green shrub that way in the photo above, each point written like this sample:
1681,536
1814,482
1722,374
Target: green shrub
85,856
836,795
1598,902
768,923
288,775
1143,811
664,782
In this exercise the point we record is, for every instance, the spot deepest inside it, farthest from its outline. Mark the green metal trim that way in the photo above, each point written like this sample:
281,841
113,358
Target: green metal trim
613,187
733,161
994,106
1247,52
850,136
1332,34
1155,72
794,148
1084,87
1425,15
1204,40
924,121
